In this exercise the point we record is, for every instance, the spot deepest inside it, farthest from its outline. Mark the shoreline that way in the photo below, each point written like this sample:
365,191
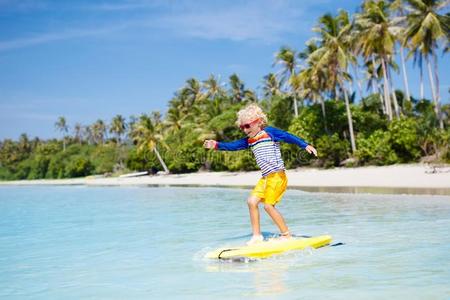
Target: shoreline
394,179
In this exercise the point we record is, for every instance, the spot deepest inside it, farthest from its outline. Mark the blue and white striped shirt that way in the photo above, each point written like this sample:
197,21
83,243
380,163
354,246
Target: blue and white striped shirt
266,148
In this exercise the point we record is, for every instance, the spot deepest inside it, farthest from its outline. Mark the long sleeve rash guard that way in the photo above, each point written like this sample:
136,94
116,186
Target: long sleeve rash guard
266,148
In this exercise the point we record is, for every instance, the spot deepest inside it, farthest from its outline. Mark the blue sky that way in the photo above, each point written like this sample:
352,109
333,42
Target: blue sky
89,60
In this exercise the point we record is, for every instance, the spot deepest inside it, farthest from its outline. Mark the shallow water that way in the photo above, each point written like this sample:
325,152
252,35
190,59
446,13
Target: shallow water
140,243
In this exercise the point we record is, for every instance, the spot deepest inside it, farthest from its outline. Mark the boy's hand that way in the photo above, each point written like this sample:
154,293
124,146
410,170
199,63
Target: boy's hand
311,150
210,144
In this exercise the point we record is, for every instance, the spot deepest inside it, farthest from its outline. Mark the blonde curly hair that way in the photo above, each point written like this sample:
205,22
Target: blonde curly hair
250,113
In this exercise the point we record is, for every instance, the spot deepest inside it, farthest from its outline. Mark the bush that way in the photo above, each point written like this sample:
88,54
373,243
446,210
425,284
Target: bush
186,158
56,166
5,174
104,158
403,139
331,150
39,167
142,161
240,161
366,122
375,149
78,166
281,112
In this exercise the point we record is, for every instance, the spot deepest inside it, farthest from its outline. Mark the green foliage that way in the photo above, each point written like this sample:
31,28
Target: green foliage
376,149
186,158
191,120
77,166
5,174
332,150
39,167
299,127
224,125
398,144
403,139
142,161
365,122
241,161
280,113
206,110
55,167
104,158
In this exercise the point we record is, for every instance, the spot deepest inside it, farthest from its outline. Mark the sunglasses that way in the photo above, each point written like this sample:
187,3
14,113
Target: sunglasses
248,125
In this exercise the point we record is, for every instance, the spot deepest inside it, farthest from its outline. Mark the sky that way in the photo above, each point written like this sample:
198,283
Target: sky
89,60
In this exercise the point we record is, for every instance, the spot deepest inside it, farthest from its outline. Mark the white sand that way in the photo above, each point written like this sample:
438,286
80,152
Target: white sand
396,176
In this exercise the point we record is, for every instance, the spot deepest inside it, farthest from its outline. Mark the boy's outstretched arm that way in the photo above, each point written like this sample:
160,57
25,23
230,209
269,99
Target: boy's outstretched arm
281,135
227,146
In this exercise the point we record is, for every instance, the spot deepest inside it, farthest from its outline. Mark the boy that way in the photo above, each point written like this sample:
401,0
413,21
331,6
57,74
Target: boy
264,143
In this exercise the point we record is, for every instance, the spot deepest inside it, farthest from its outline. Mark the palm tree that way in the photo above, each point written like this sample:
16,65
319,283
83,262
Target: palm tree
311,86
213,87
271,86
62,126
192,91
78,132
237,88
425,28
174,118
286,57
98,131
216,94
118,127
334,56
250,96
397,6
146,136
311,78
24,146
376,38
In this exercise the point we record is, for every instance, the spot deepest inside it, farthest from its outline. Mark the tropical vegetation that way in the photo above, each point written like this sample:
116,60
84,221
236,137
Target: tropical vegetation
310,93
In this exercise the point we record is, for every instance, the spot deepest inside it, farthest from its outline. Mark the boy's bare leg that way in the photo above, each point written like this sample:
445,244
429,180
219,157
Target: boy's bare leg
253,209
278,219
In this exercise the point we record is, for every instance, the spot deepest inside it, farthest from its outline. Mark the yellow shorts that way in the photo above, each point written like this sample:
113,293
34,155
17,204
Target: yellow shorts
271,188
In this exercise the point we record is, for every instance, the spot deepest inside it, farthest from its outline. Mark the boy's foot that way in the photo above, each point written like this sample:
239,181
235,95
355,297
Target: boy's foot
284,236
255,240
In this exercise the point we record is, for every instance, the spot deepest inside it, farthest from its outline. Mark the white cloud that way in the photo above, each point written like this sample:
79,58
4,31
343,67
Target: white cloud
127,5
55,36
264,20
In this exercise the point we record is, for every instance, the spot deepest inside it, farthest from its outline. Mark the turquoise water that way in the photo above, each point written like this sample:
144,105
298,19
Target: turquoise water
148,243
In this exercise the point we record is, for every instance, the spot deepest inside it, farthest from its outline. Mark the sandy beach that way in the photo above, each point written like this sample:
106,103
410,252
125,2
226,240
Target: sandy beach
409,179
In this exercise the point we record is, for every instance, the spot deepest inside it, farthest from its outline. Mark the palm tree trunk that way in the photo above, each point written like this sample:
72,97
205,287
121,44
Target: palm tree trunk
350,121
405,76
324,113
295,106
438,95
421,83
358,82
375,86
394,96
433,90
383,103
386,90
161,160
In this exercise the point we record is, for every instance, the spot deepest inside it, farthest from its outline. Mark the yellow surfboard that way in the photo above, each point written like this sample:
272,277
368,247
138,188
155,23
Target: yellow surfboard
269,248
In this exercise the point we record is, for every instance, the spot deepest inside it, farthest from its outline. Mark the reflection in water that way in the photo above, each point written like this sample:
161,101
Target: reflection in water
270,276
